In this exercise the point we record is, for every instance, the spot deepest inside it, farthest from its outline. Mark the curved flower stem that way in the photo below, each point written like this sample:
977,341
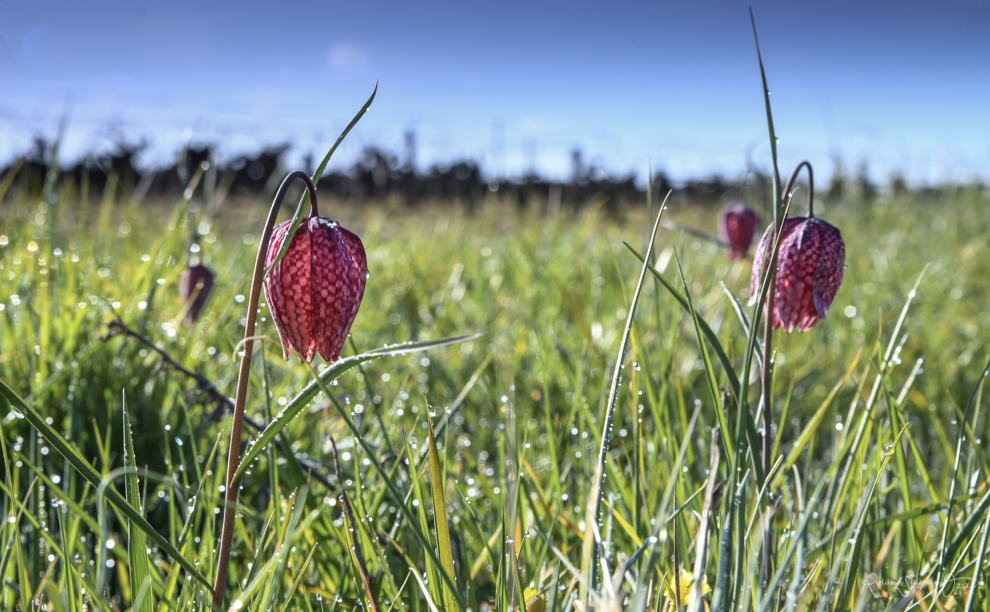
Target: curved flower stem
811,186
233,453
768,360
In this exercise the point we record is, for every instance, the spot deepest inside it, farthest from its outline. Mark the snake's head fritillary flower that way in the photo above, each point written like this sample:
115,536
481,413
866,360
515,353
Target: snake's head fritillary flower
810,264
737,226
195,284
315,291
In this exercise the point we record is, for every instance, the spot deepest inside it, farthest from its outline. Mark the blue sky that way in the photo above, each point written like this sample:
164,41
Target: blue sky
897,85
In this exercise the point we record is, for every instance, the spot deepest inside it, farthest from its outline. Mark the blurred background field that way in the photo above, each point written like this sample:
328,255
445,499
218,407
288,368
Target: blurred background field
550,291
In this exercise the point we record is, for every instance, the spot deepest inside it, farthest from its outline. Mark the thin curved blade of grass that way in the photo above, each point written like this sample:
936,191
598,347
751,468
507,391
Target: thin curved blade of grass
59,493
705,328
257,562
710,376
285,416
955,471
744,413
137,542
16,528
194,502
701,538
964,531
979,561
440,516
93,477
299,576
271,576
773,135
424,524
63,528
653,545
795,540
856,536
720,600
850,446
811,429
353,534
14,544
303,207
737,307
595,503
287,534
389,484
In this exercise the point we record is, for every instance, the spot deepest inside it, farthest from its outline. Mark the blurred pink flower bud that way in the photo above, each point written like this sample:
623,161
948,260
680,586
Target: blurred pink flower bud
737,226
810,265
196,284
315,291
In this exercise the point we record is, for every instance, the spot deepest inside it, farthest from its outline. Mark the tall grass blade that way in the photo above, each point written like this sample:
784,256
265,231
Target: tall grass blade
955,472
701,538
354,535
595,497
93,477
137,542
705,328
299,576
424,524
303,208
285,416
440,516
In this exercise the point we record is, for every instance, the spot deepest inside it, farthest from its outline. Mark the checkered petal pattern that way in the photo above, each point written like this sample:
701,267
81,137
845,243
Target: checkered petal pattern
810,266
315,291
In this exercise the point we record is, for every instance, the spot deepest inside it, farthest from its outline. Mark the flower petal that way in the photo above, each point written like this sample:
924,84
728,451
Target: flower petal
339,271
289,294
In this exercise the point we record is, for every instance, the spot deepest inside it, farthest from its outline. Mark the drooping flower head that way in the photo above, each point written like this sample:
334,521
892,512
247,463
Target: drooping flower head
196,284
809,269
737,226
315,291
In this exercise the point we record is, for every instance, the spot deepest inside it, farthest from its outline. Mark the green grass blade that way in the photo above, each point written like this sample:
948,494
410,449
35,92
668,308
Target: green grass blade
303,208
424,524
795,540
440,516
137,542
955,472
705,328
285,416
710,376
389,484
93,477
811,429
856,536
299,576
595,501
773,134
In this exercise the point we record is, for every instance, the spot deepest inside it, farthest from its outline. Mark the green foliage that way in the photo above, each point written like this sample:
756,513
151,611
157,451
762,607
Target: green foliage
486,504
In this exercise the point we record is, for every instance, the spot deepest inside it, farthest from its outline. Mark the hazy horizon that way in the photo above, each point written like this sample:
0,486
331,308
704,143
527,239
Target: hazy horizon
900,87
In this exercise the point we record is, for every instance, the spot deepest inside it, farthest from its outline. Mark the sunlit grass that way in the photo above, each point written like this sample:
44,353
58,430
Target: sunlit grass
517,455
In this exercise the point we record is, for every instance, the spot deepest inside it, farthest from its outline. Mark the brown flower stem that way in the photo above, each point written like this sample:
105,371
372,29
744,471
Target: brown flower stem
233,452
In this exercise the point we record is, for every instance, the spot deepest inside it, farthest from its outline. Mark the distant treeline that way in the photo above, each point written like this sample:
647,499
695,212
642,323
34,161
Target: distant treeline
378,174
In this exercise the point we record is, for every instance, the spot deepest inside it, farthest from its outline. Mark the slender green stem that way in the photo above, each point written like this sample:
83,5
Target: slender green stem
768,323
